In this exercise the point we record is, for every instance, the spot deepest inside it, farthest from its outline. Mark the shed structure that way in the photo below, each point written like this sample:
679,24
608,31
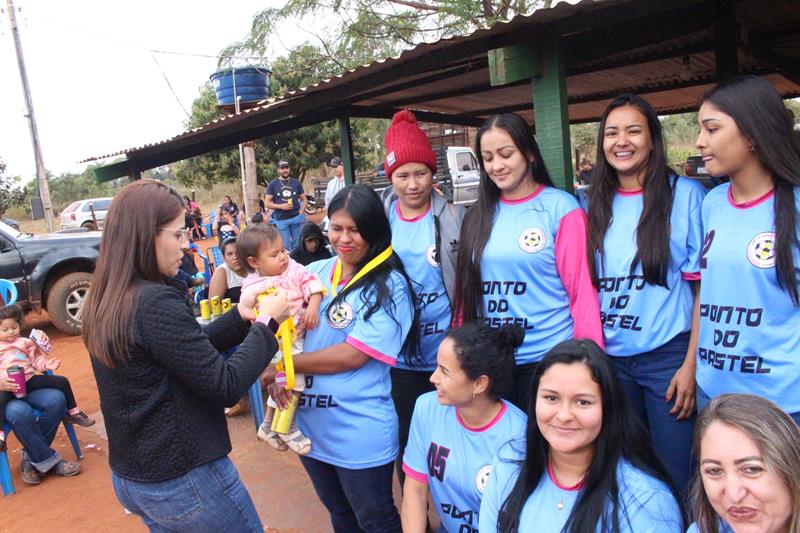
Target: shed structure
556,66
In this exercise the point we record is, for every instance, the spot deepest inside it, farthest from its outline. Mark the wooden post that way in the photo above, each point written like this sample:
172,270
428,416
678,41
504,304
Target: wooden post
552,117
41,174
250,178
346,145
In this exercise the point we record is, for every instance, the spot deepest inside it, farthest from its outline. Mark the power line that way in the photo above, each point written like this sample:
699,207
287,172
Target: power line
170,87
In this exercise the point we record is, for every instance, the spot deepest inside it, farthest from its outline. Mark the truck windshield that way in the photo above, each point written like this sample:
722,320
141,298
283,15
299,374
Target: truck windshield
8,230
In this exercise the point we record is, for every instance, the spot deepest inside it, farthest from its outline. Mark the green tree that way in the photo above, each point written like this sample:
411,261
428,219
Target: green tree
306,148
11,190
360,31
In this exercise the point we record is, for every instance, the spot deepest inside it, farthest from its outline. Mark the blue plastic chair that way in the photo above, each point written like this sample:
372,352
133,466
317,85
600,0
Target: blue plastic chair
5,470
253,393
216,256
8,292
208,227
207,270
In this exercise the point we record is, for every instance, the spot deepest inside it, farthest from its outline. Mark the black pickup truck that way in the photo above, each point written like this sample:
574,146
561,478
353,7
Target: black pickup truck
51,271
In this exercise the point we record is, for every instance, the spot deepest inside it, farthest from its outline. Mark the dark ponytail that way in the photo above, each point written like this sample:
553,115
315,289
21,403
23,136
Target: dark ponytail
760,114
485,351
478,222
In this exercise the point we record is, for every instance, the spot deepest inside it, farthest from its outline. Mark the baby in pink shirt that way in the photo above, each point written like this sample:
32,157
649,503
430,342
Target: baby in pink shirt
263,254
31,356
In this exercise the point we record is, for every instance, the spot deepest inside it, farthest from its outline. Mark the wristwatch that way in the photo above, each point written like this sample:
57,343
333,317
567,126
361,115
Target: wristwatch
272,324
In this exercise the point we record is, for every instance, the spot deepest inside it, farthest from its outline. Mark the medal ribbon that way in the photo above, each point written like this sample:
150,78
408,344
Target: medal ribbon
372,265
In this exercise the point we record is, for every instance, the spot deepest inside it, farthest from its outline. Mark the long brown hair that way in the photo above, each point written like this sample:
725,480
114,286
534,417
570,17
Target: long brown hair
653,229
771,429
127,258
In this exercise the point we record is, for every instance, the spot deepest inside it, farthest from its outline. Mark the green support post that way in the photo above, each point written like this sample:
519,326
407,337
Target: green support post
346,144
552,115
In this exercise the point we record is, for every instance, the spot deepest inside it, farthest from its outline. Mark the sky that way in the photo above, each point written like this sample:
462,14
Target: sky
96,86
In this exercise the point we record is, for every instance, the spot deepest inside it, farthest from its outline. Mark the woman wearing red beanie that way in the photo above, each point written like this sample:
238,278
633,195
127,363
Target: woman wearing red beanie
425,231
523,259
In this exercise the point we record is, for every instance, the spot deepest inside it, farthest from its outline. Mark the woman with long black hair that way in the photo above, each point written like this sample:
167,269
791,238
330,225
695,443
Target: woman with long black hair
749,301
522,254
586,464
365,321
645,236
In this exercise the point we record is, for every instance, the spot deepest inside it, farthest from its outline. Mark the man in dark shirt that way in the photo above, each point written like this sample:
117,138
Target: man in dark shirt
285,196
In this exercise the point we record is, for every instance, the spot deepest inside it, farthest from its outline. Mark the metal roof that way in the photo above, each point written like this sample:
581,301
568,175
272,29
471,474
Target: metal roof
609,46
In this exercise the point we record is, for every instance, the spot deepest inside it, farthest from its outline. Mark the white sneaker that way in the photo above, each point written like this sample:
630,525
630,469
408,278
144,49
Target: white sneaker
299,443
266,434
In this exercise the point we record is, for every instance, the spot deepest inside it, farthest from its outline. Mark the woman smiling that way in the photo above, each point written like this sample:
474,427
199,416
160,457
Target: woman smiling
587,465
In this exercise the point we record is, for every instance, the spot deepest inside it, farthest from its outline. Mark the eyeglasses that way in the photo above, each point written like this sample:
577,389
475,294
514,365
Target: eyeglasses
182,233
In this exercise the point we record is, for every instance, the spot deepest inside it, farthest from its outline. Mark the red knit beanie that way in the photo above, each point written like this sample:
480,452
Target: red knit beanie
407,143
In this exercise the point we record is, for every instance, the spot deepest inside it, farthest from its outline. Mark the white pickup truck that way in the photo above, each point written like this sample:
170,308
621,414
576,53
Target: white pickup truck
458,173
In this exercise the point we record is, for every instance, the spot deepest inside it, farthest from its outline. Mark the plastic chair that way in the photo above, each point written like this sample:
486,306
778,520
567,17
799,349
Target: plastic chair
5,470
8,292
208,227
215,254
207,270
253,393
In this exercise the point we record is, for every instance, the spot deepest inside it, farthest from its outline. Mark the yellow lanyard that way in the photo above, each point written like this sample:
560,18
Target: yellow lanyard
337,271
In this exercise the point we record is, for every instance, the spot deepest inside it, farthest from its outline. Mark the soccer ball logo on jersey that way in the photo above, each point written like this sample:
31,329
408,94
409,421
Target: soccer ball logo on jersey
340,315
761,250
532,240
430,256
482,478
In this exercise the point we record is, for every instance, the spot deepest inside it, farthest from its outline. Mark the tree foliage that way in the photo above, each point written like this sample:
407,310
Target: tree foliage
360,31
11,190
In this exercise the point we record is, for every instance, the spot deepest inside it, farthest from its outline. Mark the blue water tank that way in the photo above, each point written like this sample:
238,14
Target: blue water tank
250,83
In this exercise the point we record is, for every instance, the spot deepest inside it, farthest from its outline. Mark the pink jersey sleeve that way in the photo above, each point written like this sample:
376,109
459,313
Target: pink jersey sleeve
573,269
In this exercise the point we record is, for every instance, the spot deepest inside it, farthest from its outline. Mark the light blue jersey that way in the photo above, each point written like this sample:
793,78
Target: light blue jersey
646,504
638,317
349,416
749,328
414,241
535,275
455,460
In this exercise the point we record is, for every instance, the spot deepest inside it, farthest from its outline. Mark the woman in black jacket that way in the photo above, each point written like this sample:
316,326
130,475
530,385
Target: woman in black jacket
162,382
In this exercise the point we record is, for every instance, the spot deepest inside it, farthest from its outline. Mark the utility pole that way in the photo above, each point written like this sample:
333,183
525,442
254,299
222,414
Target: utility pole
41,175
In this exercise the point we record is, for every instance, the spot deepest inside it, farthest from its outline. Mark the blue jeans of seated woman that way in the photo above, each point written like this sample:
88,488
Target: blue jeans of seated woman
36,434
357,500
209,498
703,400
645,379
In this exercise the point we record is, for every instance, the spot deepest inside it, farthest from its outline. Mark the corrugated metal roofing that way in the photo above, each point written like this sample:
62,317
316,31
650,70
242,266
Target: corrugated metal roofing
611,46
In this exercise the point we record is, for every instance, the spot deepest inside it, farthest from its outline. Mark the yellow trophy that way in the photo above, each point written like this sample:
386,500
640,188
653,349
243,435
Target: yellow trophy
282,420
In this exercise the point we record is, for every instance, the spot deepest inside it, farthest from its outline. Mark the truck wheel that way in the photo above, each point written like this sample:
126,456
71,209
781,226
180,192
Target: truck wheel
65,301
88,225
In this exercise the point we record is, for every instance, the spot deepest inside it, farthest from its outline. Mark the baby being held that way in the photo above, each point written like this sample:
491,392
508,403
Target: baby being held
263,254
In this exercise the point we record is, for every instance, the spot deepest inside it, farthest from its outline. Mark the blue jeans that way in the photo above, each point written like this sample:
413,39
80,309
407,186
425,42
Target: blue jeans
645,379
358,500
209,498
36,434
290,230
704,399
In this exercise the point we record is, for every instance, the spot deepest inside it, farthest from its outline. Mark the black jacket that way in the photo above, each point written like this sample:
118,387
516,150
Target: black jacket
163,410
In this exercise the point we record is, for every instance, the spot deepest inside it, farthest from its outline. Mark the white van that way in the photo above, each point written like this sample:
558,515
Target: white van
79,214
